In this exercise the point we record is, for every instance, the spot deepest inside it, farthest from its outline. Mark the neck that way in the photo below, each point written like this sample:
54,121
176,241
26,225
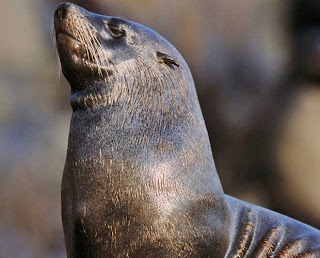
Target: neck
150,165
154,135
169,149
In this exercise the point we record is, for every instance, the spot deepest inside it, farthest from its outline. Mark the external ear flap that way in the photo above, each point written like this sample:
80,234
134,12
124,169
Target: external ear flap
166,59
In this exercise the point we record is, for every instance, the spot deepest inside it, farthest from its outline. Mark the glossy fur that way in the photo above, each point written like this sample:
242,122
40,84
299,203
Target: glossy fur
139,179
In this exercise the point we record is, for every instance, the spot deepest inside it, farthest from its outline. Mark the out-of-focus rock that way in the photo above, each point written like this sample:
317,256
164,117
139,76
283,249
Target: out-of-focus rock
32,133
299,156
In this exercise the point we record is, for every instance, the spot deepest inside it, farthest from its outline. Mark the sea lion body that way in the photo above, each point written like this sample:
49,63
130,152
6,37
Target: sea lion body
139,179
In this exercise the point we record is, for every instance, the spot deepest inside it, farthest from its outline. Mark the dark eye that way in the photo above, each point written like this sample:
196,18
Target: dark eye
116,32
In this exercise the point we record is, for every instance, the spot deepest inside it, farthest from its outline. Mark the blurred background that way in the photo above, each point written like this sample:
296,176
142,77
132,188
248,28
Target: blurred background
256,65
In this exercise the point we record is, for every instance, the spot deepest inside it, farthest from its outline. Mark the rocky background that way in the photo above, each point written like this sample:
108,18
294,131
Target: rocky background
256,64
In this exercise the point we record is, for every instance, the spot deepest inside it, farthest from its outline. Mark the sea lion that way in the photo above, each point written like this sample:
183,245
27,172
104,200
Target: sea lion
139,178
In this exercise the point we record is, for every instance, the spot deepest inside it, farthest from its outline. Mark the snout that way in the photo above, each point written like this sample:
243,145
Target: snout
65,10
64,18
62,11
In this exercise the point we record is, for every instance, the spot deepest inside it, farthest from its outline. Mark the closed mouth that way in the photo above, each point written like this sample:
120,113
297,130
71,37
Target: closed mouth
65,33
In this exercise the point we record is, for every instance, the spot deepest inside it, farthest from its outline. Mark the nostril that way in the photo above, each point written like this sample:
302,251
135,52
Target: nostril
61,11
60,14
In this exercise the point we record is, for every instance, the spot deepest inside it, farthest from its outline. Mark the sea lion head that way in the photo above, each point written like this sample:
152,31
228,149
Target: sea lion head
107,58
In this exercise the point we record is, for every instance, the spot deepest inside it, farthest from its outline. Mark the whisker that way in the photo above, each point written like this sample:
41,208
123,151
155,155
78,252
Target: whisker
53,37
